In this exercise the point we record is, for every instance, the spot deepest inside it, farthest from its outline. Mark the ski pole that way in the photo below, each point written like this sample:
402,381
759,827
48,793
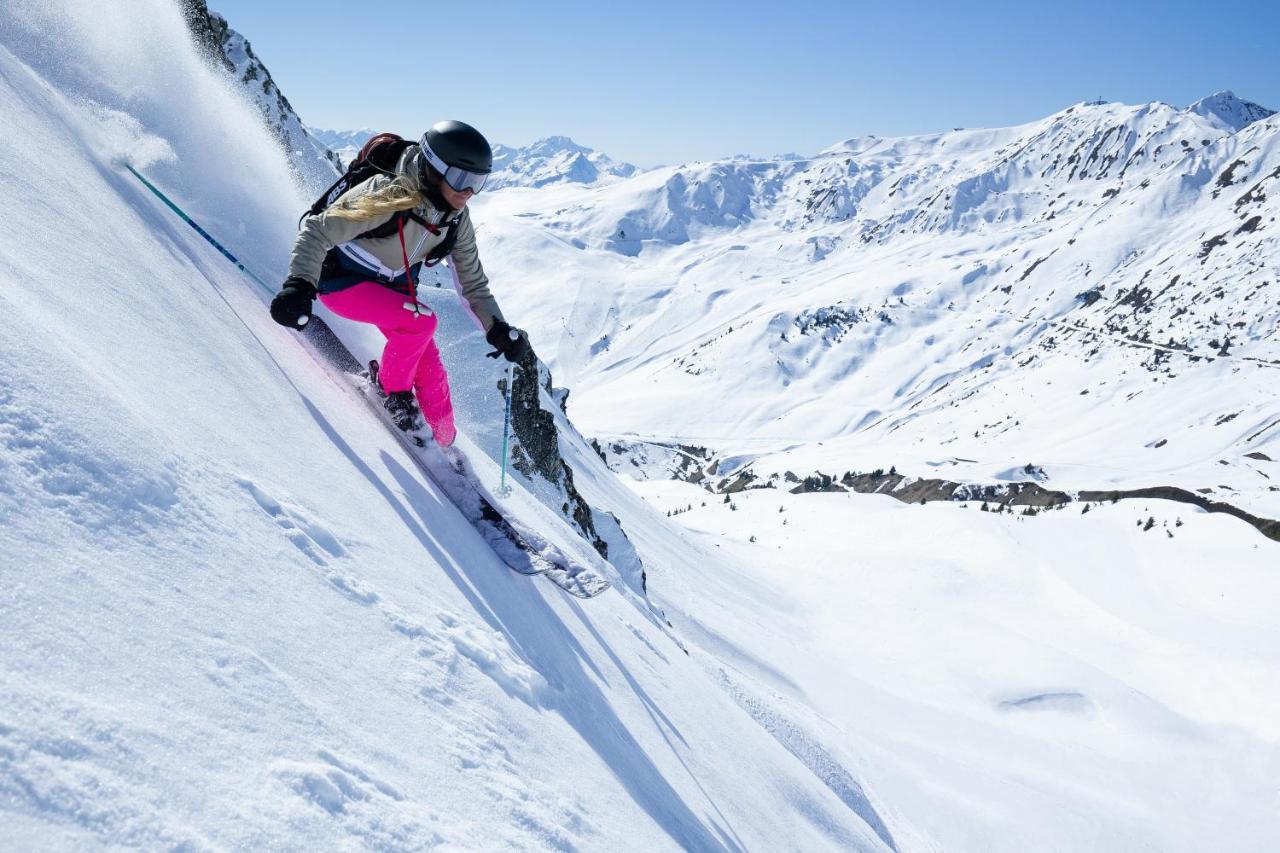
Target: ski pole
203,233
506,428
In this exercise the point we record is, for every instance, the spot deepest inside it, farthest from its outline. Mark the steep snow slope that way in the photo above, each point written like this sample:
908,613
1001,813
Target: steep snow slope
1094,293
231,613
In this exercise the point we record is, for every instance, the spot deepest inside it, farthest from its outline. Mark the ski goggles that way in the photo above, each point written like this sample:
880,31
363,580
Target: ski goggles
457,177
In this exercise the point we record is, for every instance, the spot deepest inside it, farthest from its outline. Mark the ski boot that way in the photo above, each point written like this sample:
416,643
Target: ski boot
401,406
403,409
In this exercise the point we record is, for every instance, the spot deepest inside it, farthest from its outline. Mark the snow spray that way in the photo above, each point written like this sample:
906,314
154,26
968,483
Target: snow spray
187,219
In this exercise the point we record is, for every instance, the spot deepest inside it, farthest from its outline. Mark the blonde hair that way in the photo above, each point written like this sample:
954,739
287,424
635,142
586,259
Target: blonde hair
392,198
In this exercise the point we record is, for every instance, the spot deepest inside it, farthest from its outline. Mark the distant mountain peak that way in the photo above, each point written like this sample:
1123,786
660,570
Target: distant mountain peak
1228,111
558,142
554,159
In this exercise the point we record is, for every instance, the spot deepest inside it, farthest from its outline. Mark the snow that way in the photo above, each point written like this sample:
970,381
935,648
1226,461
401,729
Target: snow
1228,111
313,164
1065,681
234,614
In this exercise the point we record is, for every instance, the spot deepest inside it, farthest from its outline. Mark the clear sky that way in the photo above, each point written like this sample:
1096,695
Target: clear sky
671,82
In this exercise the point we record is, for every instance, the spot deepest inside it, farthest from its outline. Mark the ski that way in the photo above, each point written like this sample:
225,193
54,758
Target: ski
517,545
570,575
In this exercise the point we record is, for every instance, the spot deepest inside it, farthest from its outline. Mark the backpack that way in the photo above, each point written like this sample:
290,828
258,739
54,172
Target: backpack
380,156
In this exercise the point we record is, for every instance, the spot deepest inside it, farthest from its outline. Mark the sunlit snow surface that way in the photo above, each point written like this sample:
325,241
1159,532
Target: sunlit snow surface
1065,681
233,616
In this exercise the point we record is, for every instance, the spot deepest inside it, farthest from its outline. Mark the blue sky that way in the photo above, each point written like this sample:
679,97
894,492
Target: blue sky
667,82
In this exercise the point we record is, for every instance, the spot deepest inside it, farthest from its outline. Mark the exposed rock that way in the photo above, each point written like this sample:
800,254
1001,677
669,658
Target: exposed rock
997,497
536,450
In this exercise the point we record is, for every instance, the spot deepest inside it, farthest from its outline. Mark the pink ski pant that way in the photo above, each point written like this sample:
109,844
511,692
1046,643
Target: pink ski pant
410,358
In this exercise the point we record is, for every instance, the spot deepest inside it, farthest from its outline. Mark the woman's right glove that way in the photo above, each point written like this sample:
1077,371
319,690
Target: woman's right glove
291,307
508,341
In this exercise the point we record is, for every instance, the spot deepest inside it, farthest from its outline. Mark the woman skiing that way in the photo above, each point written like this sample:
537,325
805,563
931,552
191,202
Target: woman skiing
358,253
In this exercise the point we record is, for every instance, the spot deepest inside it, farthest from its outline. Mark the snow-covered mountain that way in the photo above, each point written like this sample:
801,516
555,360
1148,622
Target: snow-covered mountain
1228,111
345,144
314,164
556,159
1093,293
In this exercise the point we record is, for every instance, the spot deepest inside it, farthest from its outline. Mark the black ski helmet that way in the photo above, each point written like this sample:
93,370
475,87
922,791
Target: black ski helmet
459,145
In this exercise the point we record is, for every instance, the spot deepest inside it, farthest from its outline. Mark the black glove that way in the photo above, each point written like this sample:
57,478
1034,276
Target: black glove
291,307
508,342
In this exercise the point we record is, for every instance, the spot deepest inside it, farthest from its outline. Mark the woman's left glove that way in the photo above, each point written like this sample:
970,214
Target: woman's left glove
291,307
508,342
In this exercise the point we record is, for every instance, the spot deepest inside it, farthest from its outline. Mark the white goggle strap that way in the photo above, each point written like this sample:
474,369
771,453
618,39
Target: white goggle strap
436,163
453,175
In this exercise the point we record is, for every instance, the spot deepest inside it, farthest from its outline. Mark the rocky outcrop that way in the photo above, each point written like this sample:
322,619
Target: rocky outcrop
208,31
536,448
1021,494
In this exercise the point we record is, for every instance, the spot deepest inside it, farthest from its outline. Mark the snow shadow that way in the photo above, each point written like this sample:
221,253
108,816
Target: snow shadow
514,606
799,742
397,506
1070,701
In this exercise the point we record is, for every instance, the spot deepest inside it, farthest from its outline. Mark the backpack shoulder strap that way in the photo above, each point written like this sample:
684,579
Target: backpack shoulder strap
445,248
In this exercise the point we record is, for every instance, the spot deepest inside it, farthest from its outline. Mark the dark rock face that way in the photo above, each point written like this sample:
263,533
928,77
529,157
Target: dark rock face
208,31
536,450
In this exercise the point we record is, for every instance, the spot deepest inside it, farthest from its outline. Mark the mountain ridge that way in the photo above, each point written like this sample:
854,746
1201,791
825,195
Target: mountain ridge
1103,243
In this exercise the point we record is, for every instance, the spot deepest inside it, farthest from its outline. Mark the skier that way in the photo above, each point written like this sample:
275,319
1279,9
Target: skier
358,252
